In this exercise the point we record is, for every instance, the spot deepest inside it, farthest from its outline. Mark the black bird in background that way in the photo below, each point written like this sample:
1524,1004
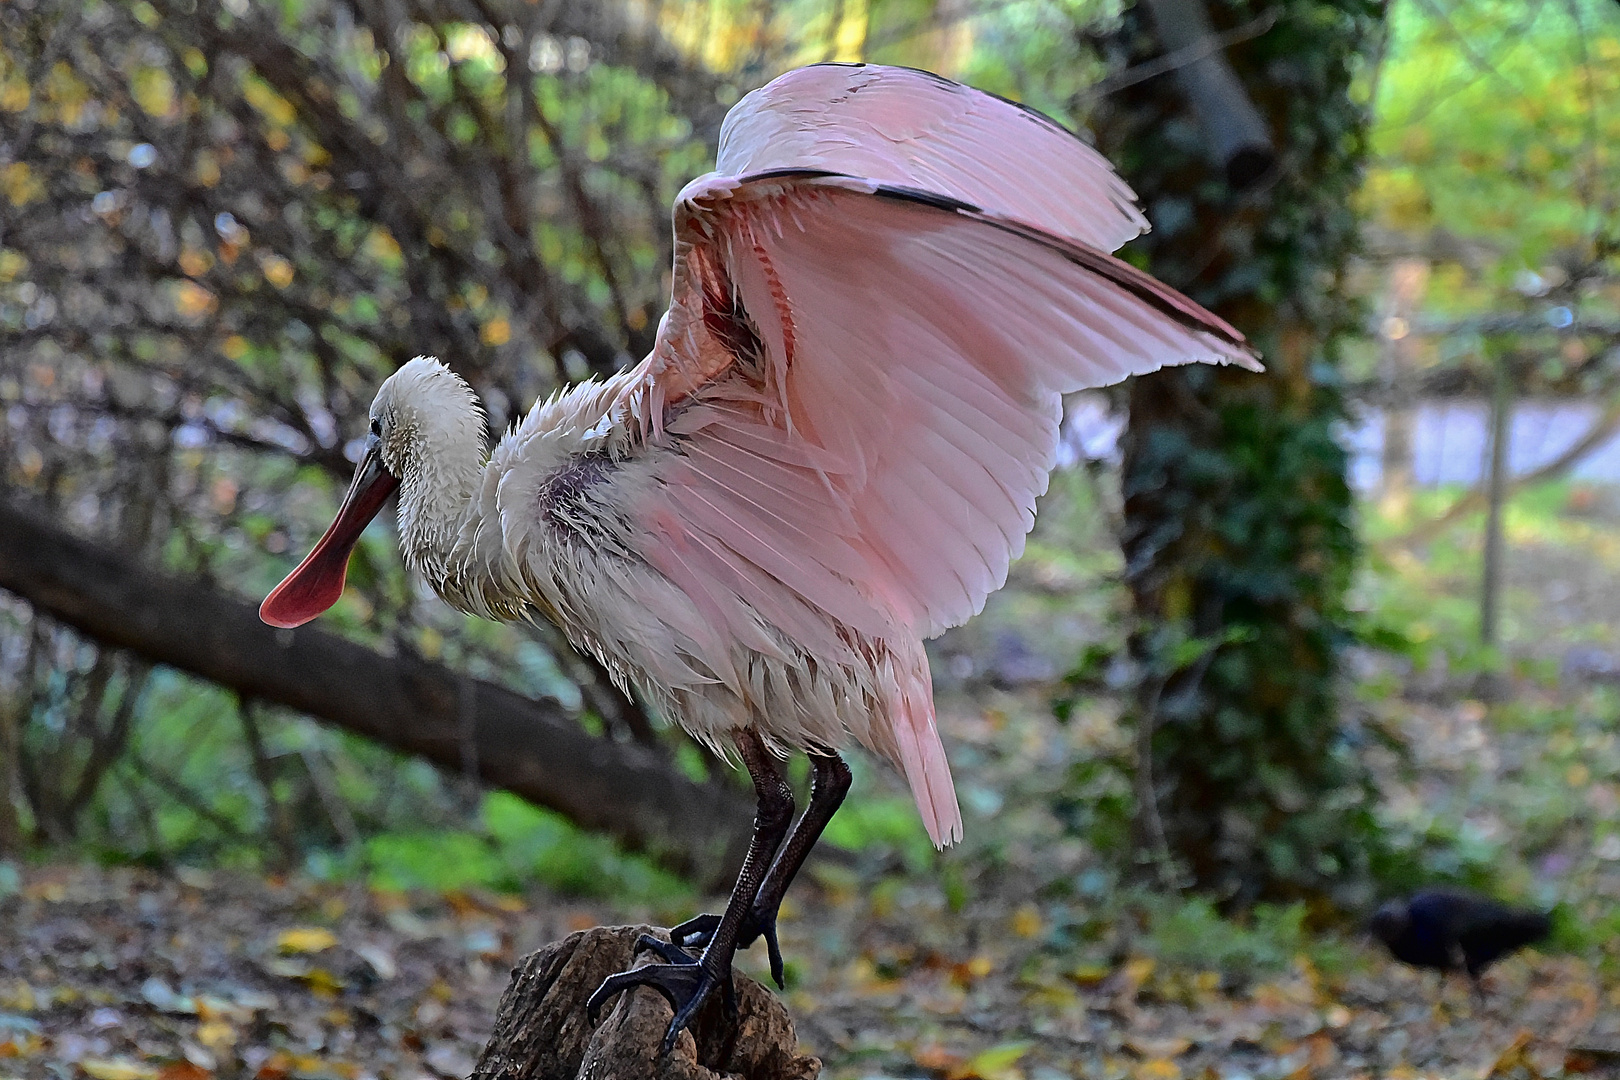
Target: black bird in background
1450,930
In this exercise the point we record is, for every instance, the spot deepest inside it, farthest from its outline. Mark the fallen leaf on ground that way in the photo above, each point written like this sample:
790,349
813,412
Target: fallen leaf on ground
309,939
996,1063
120,1068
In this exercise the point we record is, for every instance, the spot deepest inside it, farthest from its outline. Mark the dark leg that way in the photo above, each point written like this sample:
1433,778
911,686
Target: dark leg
829,783
686,983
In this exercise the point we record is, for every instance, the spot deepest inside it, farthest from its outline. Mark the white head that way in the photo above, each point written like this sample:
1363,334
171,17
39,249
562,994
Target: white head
427,440
430,431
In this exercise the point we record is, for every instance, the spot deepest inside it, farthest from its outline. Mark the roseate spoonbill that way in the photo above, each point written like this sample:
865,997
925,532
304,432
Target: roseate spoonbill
832,452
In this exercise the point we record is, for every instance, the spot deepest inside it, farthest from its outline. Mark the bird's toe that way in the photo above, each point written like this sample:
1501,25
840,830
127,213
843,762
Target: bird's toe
685,983
670,951
696,932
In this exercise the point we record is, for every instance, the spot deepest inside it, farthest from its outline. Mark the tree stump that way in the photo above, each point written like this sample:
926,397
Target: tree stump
542,1033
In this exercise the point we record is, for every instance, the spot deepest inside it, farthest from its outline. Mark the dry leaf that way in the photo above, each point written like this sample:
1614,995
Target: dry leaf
1168,1047
1088,974
183,1070
324,983
997,1063
120,1068
936,1058
1515,1056
310,939
217,1035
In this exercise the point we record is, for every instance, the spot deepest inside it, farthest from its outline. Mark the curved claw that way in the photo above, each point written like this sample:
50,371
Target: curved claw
775,950
686,984
698,931
671,952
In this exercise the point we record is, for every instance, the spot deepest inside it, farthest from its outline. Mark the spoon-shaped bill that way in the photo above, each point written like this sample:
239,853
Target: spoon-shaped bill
318,581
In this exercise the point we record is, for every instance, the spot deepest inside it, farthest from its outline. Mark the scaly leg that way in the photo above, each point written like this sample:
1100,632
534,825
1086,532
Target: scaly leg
686,983
829,783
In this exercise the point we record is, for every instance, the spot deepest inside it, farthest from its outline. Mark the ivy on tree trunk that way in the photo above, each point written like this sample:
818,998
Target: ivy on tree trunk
1238,536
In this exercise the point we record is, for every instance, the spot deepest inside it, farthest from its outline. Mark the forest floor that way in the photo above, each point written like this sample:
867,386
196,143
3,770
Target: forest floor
131,975
1018,955
1013,957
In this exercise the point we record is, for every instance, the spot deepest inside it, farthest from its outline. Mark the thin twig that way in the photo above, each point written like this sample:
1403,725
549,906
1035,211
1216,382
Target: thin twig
1474,500
264,772
172,786
1179,58
331,800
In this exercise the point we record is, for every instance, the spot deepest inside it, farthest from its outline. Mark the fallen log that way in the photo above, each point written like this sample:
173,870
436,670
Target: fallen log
532,748
542,1033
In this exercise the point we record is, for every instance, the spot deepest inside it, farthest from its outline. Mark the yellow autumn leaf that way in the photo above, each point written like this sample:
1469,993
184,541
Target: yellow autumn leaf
19,996
997,1063
67,92
381,245
1089,974
153,90
192,300
206,168
12,263
20,184
271,105
1137,971
1026,921
195,263
116,1069
430,643
277,271
307,939
495,332
15,94
324,983
217,1035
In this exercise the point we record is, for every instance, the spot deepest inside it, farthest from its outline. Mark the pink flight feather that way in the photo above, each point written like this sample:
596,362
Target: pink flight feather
876,315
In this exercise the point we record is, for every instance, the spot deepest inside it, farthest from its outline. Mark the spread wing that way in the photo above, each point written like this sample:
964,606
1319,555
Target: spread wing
861,383
870,379
915,129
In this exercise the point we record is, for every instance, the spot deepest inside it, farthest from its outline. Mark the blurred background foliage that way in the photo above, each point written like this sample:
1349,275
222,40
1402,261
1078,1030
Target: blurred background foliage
222,222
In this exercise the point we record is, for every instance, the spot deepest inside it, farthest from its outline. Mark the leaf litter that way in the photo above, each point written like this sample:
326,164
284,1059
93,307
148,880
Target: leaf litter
128,974
900,963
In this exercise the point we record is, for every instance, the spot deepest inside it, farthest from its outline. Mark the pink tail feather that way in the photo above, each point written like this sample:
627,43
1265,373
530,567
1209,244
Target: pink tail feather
922,756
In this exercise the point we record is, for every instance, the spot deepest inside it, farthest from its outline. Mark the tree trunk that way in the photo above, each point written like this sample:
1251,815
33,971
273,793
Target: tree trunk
542,1032
1237,535
10,826
1409,278
531,748
1496,495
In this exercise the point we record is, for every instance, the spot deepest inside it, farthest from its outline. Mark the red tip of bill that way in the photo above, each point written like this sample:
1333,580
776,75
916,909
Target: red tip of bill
310,589
318,581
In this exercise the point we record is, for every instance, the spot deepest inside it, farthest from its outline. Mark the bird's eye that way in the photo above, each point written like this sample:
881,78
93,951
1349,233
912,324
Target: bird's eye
376,427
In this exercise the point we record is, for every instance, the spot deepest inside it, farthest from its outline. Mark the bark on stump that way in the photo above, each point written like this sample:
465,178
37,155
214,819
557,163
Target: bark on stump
541,1031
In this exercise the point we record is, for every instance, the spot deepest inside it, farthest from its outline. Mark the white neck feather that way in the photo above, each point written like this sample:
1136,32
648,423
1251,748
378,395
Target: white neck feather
434,443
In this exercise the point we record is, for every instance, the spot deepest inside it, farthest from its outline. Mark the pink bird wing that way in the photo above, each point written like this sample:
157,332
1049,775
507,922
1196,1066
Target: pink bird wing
864,387
914,129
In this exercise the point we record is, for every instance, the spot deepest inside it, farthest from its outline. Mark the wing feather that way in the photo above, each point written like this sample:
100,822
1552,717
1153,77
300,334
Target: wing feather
914,129
858,387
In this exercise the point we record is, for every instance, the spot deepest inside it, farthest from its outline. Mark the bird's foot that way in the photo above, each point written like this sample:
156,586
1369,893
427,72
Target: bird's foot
697,932
684,982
